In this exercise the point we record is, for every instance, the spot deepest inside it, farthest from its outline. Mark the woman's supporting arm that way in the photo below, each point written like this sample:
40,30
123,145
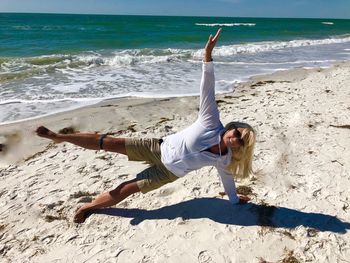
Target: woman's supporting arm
229,186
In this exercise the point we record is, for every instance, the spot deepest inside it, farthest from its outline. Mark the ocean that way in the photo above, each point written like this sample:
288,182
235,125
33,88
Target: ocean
57,62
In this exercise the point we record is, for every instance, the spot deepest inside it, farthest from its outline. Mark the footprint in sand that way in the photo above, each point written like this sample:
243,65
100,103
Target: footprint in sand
123,176
196,191
166,192
220,237
204,257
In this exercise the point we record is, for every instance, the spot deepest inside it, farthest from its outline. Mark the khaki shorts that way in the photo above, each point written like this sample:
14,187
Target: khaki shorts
148,150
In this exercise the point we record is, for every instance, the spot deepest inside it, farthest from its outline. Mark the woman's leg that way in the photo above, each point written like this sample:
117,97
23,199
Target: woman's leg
107,199
86,140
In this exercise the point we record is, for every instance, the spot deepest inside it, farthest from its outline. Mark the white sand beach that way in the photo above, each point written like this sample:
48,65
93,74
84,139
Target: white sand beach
300,194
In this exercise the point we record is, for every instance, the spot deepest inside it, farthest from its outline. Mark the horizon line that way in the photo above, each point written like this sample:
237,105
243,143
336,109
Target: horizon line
101,14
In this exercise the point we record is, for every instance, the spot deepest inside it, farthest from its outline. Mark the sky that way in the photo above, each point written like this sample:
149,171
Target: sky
229,8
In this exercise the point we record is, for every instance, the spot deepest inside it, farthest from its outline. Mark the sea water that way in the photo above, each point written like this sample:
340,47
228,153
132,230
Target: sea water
54,62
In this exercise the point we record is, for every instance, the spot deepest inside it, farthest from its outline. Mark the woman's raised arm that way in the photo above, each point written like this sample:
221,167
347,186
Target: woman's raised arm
208,110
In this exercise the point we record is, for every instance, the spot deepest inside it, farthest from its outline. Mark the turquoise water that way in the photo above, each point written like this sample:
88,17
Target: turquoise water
27,35
51,63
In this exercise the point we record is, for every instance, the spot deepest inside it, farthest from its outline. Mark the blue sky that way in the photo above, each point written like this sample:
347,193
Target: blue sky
250,8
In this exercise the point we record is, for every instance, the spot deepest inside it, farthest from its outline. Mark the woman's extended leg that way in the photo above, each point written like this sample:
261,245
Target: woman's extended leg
86,140
107,199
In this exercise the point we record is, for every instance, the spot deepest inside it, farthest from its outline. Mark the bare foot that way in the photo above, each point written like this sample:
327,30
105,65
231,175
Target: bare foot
46,133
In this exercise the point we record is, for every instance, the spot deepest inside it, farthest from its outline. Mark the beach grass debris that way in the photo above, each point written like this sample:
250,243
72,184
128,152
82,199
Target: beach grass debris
261,83
242,190
67,130
60,216
85,199
222,194
290,258
81,194
51,218
262,260
312,232
292,186
316,192
287,234
245,190
346,126
131,127
265,230
345,206
336,161
223,102
109,105
38,251
164,119
264,82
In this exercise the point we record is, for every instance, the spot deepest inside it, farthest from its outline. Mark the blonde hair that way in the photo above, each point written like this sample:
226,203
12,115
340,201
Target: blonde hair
241,162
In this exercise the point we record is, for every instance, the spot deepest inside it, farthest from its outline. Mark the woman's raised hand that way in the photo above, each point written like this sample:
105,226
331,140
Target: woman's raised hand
210,46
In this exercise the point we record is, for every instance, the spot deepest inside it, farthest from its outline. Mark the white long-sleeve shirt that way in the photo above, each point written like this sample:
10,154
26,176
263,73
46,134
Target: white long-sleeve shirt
187,150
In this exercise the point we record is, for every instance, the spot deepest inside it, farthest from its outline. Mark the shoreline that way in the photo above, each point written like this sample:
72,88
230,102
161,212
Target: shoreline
261,77
300,200
104,100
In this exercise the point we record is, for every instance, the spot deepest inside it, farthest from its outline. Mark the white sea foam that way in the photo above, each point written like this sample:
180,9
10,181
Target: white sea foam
226,24
268,46
22,27
328,23
123,60
146,56
90,59
274,63
42,64
19,101
150,56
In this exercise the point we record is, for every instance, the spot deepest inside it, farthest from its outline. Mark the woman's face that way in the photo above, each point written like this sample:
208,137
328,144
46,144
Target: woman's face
233,138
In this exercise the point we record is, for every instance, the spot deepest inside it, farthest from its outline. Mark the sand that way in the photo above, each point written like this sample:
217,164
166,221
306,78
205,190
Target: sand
300,190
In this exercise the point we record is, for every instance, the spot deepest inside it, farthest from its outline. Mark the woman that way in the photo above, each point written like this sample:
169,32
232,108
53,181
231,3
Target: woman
205,143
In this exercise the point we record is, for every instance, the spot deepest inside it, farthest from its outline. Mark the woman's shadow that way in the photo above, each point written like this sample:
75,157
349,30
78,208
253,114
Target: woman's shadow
221,211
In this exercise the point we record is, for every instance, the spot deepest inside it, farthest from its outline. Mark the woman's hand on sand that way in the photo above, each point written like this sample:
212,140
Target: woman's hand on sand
210,46
243,199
